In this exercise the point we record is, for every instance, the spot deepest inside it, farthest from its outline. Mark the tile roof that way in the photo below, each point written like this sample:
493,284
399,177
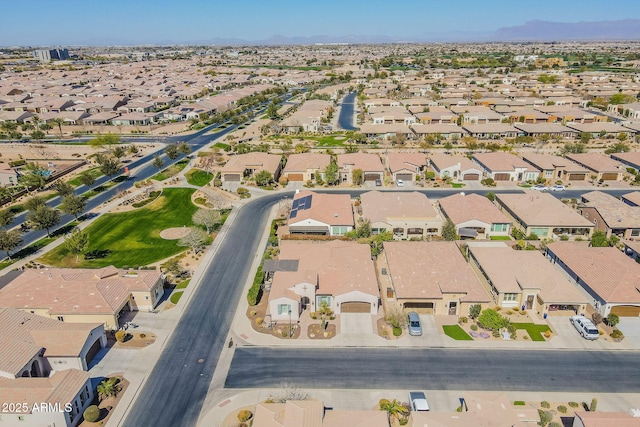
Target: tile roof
443,161
368,162
542,209
501,161
303,161
610,273
462,207
256,160
430,269
331,209
615,212
597,162
399,161
385,206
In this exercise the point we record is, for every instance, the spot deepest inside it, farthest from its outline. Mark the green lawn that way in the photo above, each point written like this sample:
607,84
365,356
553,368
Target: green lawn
95,172
198,177
172,170
37,245
132,238
330,141
221,145
500,238
457,185
456,332
183,284
175,297
534,331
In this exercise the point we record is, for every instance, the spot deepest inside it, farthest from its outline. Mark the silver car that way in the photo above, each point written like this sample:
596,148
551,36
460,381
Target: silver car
585,327
418,401
413,324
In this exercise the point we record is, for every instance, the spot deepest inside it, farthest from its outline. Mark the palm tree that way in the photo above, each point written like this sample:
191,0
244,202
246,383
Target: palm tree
108,388
58,121
393,408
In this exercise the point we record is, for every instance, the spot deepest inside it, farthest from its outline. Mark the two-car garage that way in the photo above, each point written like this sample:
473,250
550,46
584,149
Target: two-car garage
355,307
626,310
419,307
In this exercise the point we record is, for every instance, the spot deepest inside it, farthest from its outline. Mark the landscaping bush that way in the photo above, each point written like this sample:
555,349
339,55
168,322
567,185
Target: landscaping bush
474,327
121,336
283,181
244,415
617,334
545,417
255,292
91,414
545,404
143,335
594,405
403,421
463,319
475,310
562,409
574,404
613,319
491,319
596,318
519,403
384,403
555,424
259,320
397,331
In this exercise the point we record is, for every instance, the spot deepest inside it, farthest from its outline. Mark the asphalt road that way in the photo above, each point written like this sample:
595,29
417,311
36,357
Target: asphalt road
436,369
177,386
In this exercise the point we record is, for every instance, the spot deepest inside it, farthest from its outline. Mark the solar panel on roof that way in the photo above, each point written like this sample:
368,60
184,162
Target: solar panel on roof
296,203
293,214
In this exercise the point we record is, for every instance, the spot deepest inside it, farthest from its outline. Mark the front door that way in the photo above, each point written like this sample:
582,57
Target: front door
453,308
530,302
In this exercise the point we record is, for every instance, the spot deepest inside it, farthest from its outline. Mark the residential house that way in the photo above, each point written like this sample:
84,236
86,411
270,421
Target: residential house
368,163
244,166
600,165
83,295
406,166
477,114
505,167
455,166
386,130
611,215
474,216
306,166
337,273
604,419
438,131
524,279
632,198
554,168
431,277
8,176
58,400
408,215
608,276
491,130
601,129
630,159
543,215
322,214
537,130
33,346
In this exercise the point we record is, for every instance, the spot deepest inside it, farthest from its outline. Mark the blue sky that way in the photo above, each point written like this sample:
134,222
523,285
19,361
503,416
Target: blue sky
51,22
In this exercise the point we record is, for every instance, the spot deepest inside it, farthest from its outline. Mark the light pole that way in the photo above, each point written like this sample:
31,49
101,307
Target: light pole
289,321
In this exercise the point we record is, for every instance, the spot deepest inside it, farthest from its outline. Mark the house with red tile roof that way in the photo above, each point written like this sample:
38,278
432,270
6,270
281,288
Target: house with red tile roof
243,166
603,167
304,166
338,273
368,163
406,166
455,166
505,167
320,213
474,216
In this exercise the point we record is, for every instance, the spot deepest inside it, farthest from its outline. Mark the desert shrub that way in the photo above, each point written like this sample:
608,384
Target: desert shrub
474,327
397,331
383,403
547,334
403,421
613,319
259,320
545,417
91,414
562,409
463,319
143,335
474,311
594,405
617,334
252,313
283,181
121,336
555,424
545,404
244,415
596,318
574,404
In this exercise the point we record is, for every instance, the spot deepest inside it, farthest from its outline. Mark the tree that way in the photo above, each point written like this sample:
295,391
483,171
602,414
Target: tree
585,137
207,217
172,152
73,205
599,239
9,240
263,178
33,176
613,319
619,147
86,178
76,242
449,231
57,121
157,162
184,148
108,388
491,319
272,111
63,188
363,228
44,218
491,196
196,239
109,165
448,145
475,310
331,173
34,203
576,148
357,176
393,408
37,135
119,152
107,140
6,218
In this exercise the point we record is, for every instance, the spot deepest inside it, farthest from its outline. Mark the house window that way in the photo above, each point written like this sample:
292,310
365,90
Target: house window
377,230
284,308
539,231
510,297
323,299
548,173
499,227
340,230
635,232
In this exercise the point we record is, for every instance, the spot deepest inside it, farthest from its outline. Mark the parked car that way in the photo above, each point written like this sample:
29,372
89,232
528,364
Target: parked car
400,183
378,183
539,187
585,327
413,324
418,401
557,188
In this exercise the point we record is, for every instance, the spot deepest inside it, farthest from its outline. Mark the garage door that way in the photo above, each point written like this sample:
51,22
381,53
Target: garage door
372,176
502,177
405,177
295,177
232,177
609,176
355,307
577,176
419,307
471,177
626,310
95,348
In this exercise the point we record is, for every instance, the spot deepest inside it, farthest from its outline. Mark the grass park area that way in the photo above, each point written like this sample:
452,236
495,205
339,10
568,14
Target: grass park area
171,171
534,331
456,332
94,172
132,238
198,177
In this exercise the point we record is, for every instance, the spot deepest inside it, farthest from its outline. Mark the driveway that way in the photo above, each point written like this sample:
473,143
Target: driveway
565,335
630,327
356,328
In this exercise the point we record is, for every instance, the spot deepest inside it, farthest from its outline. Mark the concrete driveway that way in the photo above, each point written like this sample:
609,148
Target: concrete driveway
565,335
630,327
356,329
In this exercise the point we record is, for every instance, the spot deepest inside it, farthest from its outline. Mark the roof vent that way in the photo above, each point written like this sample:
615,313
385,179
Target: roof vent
335,215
